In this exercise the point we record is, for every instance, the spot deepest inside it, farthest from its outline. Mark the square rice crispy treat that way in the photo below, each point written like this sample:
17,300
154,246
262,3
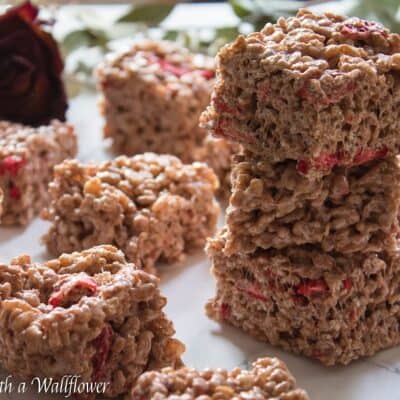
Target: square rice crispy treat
152,98
88,314
328,306
350,210
27,158
217,153
319,89
150,206
268,379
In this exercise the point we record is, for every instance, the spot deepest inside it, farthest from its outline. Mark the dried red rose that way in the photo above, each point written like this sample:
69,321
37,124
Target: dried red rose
31,89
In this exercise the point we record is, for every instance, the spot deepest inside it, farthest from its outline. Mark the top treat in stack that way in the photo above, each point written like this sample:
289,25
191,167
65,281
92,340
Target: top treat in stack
337,79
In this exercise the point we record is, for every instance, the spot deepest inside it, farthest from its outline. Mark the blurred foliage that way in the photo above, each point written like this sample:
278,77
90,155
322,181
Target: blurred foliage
259,12
93,34
387,12
86,43
152,14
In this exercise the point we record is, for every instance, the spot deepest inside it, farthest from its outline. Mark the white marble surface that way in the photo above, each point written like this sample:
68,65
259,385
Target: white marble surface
189,285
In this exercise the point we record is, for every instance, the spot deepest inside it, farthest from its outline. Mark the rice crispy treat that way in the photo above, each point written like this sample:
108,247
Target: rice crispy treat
268,379
152,98
328,306
27,158
150,206
350,210
217,153
89,314
320,89
1,202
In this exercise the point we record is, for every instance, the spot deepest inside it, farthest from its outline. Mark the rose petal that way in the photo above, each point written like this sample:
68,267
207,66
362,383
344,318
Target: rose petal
16,75
32,91
25,12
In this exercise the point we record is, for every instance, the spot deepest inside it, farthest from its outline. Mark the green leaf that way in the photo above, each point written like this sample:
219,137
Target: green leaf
151,14
228,32
259,12
75,39
171,35
84,38
242,8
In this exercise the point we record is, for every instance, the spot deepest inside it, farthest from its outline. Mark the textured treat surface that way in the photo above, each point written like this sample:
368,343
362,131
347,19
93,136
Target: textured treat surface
89,314
268,379
349,210
320,89
217,153
152,207
153,96
27,158
331,307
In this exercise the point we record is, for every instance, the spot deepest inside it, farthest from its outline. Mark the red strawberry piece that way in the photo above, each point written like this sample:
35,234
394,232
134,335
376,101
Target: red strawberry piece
256,294
323,162
14,192
207,73
82,281
225,311
224,129
173,69
253,291
326,161
363,156
12,165
347,283
303,167
102,344
312,287
176,70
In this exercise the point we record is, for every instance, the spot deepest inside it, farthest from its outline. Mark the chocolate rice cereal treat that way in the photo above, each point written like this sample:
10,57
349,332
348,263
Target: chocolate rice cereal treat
153,95
320,89
268,379
150,206
217,153
89,314
350,210
27,158
1,202
331,307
